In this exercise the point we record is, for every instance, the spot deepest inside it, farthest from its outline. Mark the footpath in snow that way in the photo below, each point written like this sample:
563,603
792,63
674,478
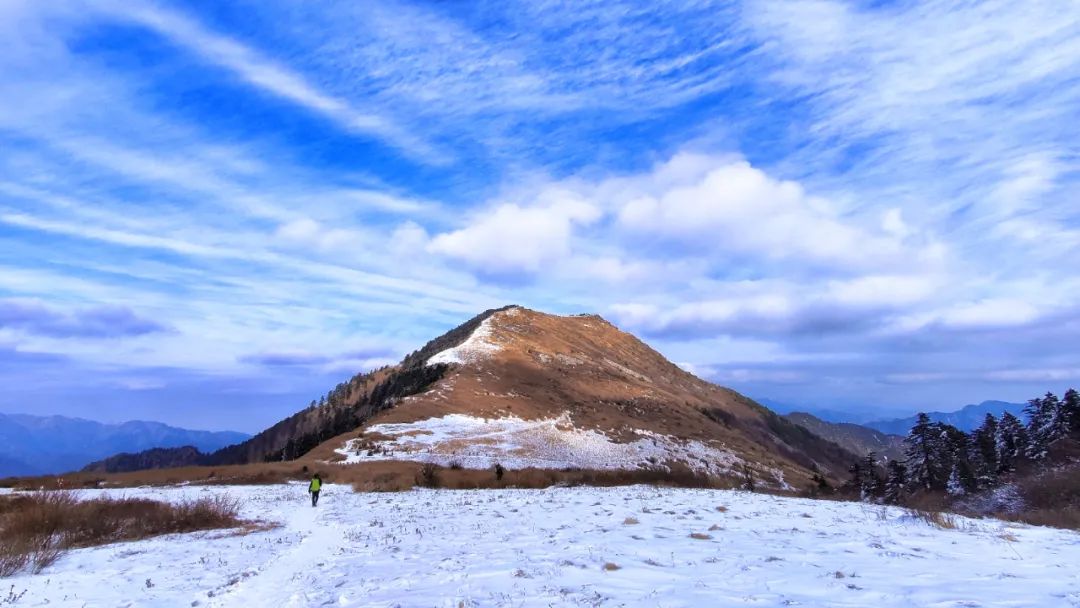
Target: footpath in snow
633,546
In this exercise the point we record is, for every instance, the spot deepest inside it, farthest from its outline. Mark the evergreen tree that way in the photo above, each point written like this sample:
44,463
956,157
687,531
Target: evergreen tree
956,457
921,447
984,452
1011,442
955,485
855,482
896,482
1070,409
1057,421
1046,424
870,481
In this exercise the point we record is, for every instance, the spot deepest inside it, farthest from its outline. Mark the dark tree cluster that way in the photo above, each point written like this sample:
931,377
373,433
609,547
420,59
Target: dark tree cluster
337,414
941,457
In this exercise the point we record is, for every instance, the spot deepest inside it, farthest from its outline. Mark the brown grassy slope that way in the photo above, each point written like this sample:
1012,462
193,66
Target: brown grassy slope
609,380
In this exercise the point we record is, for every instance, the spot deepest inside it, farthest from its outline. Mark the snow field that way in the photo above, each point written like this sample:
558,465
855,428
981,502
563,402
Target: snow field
541,548
553,443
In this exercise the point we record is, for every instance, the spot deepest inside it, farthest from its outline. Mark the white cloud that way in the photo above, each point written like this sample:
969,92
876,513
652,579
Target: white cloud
738,209
307,232
991,313
512,239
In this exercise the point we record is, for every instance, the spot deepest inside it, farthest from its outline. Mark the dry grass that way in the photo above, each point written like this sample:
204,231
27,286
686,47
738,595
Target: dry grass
401,476
381,476
610,567
631,521
936,519
36,529
247,474
701,536
1051,499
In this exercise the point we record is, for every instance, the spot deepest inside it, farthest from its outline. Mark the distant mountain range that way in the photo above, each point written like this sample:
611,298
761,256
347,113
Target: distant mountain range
857,439
39,445
826,414
966,419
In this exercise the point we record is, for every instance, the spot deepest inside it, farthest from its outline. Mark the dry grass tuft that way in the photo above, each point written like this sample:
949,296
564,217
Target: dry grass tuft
701,536
631,521
935,519
612,567
36,529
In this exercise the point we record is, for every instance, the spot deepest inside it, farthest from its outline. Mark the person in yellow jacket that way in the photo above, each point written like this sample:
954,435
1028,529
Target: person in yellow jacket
314,488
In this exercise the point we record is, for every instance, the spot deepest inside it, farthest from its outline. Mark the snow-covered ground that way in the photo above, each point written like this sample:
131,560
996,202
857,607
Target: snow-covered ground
553,443
627,546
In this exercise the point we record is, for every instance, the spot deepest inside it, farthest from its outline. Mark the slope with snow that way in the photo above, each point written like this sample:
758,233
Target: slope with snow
630,546
477,346
550,443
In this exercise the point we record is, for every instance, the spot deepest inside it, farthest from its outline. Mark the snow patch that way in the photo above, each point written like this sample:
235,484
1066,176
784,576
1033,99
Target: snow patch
480,345
551,443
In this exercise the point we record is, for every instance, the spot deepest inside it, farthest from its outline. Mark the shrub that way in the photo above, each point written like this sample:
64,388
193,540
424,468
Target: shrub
428,476
35,530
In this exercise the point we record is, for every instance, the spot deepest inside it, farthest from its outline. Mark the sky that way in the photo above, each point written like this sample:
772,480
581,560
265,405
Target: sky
211,213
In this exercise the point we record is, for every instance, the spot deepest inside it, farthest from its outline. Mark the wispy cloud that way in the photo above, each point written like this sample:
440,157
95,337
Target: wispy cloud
818,196
97,322
266,74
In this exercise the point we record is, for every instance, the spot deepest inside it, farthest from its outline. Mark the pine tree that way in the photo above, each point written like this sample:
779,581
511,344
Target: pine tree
984,452
1070,409
1010,443
920,450
956,455
870,481
1046,424
855,482
1057,421
955,485
896,482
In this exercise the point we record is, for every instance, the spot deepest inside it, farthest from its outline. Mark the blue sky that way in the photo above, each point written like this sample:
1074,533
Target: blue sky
212,212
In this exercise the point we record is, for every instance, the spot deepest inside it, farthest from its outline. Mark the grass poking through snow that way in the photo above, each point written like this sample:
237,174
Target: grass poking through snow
36,529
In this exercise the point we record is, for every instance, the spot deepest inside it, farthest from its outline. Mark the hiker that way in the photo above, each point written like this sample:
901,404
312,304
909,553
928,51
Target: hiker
314,488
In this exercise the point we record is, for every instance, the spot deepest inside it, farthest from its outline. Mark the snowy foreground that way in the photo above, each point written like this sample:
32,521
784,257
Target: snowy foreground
566,547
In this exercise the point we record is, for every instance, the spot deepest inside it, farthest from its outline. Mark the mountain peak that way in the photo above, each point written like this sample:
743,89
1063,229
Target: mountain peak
541,390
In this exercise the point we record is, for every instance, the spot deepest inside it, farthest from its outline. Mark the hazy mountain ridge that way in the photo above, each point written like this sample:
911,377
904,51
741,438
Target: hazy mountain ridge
856,438
37,445
966,419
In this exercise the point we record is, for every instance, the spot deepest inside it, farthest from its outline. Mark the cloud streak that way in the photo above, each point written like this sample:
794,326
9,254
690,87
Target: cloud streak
96,322
817,197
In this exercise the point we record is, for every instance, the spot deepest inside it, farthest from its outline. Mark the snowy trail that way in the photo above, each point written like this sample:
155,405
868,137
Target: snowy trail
286,579
563,547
